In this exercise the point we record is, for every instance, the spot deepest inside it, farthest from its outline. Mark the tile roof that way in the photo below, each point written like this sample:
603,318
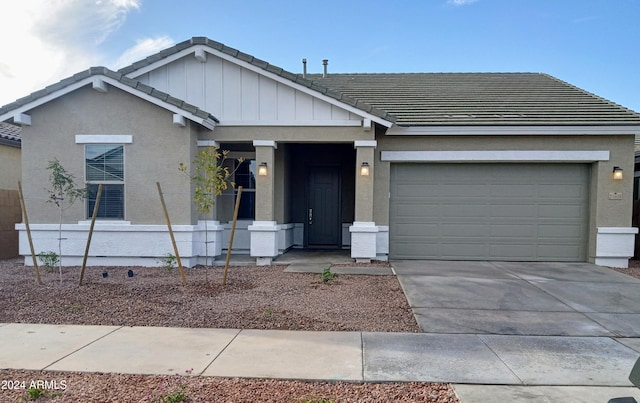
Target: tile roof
411,99
121,78
422,99
438,99
10,134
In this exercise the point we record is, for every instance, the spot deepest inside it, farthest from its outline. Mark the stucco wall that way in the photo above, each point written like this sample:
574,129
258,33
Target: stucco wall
158,147
10,212
603,211
11,168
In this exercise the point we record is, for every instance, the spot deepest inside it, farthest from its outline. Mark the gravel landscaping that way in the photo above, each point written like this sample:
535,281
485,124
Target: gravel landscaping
254,298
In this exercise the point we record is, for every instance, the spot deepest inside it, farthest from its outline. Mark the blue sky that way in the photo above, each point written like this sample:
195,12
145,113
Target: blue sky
592,44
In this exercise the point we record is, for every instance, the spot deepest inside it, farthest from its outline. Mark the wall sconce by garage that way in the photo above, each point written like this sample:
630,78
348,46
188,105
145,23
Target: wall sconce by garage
364,169
617,174
262,169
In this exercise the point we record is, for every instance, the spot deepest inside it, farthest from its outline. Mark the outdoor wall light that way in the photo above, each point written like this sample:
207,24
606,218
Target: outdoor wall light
617,174
262,169
364,169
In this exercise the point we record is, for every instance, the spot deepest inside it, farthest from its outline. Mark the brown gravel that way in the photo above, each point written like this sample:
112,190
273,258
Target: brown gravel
633,270
254,298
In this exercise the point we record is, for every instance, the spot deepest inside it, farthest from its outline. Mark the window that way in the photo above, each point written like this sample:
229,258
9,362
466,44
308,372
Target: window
245,176
105,165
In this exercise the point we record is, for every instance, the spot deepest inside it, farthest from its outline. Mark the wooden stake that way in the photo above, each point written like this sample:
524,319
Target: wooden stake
173,239
233,231
26,223
93,221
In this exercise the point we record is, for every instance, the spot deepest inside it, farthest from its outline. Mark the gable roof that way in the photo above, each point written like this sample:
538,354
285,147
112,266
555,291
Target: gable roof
10,134
189,46
439,99
95,76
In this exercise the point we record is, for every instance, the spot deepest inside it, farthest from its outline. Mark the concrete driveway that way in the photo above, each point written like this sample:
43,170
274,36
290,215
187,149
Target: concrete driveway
514,298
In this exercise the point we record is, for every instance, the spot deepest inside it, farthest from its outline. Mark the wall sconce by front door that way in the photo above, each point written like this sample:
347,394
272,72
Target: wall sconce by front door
364,169
617,174
262,169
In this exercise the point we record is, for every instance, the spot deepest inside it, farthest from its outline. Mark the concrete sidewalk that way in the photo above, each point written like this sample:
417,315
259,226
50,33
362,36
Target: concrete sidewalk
582,369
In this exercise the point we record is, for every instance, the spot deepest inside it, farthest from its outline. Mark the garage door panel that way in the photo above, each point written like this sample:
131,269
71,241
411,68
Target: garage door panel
489,211
512,230
564,212
566,232
560,191
557,253
512,190
464,230
515,251
522,211
412,210
463,210
460,189
416,229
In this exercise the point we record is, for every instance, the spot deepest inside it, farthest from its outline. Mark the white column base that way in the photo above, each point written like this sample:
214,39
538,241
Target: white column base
264,241
614,246
363,241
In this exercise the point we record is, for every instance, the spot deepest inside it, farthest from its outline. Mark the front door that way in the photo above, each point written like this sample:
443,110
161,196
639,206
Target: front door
323,207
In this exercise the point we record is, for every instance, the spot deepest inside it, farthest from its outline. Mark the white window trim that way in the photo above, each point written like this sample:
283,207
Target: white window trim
104,138
108,182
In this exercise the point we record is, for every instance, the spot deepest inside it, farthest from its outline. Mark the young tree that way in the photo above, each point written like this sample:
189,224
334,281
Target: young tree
211,178
63,188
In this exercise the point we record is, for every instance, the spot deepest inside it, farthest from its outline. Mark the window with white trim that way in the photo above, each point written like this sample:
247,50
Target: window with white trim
245,176
105,165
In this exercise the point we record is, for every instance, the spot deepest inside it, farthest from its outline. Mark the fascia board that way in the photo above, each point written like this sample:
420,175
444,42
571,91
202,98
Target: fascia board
497,156
514,130
44,99
208,123
261,71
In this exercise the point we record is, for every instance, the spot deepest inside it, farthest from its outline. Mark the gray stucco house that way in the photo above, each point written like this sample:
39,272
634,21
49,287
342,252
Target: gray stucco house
483,166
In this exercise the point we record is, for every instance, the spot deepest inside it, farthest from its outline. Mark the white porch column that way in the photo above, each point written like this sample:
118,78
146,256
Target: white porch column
264,231
364,230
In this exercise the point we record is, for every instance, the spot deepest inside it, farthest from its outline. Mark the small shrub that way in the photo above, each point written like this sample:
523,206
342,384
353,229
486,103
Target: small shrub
34,393
49,259
328,276
316,400
173,391
168,261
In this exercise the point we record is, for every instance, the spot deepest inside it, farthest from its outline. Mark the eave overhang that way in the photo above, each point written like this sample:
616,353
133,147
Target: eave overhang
551,130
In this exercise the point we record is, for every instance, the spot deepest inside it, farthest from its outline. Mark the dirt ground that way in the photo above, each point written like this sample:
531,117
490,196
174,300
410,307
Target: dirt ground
254,298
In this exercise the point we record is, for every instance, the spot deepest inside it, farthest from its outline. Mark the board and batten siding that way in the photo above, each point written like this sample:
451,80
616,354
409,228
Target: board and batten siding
236,95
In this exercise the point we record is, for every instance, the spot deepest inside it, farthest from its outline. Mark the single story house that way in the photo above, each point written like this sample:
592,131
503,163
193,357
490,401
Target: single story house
477,166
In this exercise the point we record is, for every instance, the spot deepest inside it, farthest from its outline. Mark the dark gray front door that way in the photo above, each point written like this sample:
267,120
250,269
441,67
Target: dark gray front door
323,210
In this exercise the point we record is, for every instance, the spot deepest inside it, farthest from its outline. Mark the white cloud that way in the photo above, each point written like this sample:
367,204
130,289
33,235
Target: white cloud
142,49
460,2
47,40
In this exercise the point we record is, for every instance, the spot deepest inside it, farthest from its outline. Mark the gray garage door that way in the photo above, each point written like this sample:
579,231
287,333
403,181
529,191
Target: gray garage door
518,212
